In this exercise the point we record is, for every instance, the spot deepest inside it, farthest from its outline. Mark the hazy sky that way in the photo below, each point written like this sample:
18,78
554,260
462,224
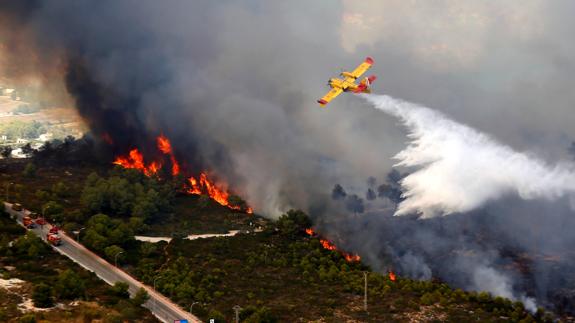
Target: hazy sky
244,75
234,85
504,67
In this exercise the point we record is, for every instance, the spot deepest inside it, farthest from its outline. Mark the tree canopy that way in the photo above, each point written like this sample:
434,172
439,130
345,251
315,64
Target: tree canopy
127,193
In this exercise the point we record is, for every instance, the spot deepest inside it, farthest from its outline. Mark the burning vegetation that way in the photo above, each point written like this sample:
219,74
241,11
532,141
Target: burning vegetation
326,244
200,185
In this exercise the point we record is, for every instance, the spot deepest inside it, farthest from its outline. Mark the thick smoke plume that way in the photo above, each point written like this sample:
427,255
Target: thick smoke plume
233,85
457,169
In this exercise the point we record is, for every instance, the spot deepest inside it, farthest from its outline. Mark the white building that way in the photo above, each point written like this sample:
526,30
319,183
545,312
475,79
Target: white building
7,91
17,153
45,136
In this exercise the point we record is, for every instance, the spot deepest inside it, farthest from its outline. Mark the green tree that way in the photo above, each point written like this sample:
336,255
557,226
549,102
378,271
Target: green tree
30,245
61,190
113,251
120,233
102,231
69,285
6,151
137,224
29,170
120,289
53,211
217,316
261,315
128,310
95,240
42,296
28,318
148,249
141,297
293,222
127,194
42,195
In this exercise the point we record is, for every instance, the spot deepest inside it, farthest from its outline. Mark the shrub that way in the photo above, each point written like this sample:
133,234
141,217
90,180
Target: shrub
42,296
29,170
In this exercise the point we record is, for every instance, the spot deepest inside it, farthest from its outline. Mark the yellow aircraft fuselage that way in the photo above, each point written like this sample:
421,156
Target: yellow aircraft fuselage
347,83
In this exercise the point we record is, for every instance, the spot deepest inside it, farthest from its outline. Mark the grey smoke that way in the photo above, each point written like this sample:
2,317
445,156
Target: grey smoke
338,193
234,84
370,194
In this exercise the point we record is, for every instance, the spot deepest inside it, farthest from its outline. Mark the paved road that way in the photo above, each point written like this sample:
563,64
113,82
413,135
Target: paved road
158,304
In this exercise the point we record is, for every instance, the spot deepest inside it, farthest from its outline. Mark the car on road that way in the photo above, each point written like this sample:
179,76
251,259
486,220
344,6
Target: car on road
54,239
28,222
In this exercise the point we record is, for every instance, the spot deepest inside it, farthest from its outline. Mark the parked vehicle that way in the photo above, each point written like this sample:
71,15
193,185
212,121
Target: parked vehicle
54,239
28,222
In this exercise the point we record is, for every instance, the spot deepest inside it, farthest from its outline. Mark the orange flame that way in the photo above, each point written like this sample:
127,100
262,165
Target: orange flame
217,194
204,185
165,147
164,144
135,160
175,166
352,258
392,276
195,189
326,244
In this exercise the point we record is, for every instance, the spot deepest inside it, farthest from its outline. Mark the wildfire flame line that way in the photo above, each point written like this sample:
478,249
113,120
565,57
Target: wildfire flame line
215,193
326,244
135,160
165,146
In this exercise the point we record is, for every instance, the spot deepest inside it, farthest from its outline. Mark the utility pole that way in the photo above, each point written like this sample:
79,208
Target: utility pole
8,191
237,310
155,301
78,237
365,291
116,258
192,307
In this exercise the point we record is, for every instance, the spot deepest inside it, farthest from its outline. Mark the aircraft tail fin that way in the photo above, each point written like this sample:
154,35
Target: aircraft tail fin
365,85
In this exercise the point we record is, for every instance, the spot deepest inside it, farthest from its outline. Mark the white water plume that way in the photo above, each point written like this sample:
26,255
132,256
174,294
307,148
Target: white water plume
457,168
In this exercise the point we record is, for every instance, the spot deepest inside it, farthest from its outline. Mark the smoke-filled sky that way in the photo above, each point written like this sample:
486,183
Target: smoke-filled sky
243,76
233,84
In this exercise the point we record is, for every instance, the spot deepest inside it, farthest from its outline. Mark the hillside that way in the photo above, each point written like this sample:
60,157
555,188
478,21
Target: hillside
38,283
280,274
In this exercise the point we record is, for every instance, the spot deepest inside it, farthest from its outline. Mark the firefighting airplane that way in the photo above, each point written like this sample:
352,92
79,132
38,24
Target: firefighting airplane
347,84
